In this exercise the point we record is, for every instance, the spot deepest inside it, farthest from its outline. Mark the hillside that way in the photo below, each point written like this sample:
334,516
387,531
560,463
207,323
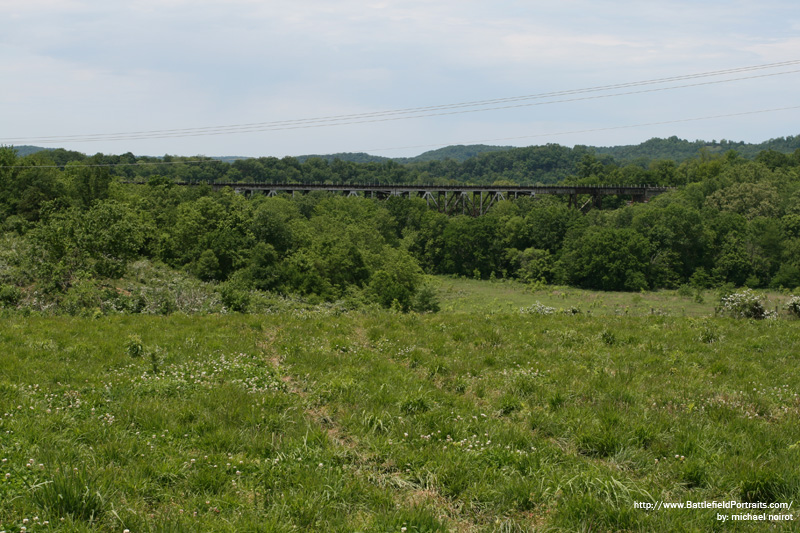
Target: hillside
457,152
24,150
679,150
672,148
351,157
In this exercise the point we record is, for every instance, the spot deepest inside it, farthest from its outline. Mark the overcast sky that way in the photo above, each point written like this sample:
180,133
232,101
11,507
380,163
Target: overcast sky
89,68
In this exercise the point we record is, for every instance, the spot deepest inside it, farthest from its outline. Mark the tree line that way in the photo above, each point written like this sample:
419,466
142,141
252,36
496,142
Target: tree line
65,225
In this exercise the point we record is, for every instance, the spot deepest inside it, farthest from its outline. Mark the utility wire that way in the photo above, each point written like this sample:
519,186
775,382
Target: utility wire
255,129
609,128
422,112
592,130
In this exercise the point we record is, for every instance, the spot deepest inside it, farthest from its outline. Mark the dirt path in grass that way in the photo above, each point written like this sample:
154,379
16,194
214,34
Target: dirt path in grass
366,465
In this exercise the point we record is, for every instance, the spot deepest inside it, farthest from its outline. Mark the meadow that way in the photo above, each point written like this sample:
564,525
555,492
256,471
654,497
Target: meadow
481,417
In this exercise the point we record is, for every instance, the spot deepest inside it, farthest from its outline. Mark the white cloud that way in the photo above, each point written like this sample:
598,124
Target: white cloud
69,65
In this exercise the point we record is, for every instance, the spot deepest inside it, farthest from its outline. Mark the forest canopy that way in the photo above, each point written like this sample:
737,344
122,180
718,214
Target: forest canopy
117,233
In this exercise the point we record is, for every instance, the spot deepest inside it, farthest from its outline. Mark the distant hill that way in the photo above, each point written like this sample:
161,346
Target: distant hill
457,152
22,151
680,149
358,157
672,148
230,158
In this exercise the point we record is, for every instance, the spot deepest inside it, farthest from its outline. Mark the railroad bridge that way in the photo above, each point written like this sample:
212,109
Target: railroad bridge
451,199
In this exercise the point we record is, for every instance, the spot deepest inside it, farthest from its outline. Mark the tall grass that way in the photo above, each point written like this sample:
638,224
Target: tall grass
380,421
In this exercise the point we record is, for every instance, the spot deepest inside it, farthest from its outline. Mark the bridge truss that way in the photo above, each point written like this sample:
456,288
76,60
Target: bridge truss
452,199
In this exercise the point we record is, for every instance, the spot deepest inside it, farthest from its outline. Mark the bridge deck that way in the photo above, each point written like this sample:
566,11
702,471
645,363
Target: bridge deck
593,190
472,199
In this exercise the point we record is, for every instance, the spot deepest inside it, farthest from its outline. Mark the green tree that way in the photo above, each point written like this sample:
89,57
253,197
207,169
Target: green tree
28,189
271,223
113,235
748,199
471,244
397,281
532,264
219,224
733,264
679,239
88,183
605,258
262,271
72,243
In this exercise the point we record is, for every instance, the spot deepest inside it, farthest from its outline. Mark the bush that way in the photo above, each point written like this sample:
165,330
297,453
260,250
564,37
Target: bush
608,337
744,304
685,290
134,346
426,300
701,279
709,334
234,296
9,296
793,305
537,309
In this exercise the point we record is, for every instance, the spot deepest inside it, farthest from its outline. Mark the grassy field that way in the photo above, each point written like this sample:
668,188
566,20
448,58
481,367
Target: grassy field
466,295
479,418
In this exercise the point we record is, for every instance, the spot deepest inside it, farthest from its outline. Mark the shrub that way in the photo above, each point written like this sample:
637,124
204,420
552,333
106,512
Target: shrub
134,346
9,295
709,334
744,304
537,309
234,296
426,300
793,305
701,279
608,337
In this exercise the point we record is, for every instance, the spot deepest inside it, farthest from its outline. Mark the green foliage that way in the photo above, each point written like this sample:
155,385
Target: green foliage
535,265
134,347
88,184
397,282
9,295
787,276
99,242
235,296
750,200
426,300
744,304
207,266
321,420
69,226
606,259
679,150
793,306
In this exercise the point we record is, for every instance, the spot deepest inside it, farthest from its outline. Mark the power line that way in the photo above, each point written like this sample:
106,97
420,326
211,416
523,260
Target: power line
228,131
424,112
592,130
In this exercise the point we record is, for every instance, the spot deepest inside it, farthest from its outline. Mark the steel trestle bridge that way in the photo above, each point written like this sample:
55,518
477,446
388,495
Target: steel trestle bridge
468,199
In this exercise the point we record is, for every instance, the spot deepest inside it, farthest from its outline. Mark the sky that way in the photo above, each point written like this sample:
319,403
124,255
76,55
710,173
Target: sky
262,78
